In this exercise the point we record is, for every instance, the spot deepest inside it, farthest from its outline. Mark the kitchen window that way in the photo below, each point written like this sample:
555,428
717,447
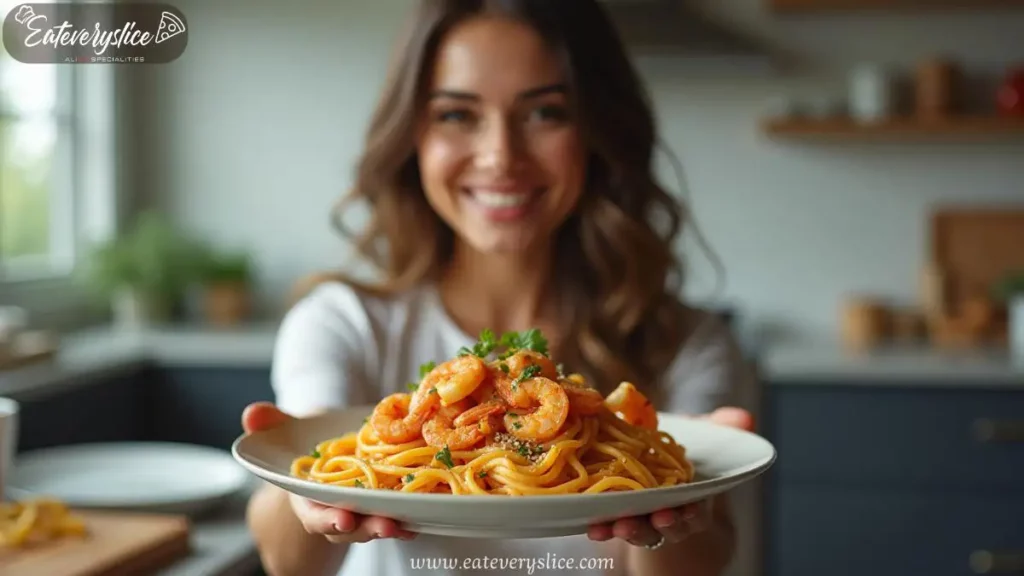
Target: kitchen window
37,156
57,178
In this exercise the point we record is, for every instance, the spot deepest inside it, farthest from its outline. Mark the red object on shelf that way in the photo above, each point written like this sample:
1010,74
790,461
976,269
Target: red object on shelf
1010,97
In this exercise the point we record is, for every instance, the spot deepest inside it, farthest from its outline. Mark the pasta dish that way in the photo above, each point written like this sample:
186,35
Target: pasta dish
502,418
35,521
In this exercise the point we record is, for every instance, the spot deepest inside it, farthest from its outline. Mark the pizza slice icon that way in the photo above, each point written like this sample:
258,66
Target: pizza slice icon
170,26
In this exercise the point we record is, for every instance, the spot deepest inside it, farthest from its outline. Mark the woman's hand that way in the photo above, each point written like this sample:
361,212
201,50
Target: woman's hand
337,525
673,525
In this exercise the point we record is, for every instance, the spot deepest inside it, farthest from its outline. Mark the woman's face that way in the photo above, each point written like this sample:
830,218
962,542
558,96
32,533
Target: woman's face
500,156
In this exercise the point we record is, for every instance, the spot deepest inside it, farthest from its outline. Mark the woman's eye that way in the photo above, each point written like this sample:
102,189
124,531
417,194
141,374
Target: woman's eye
456,116
551,113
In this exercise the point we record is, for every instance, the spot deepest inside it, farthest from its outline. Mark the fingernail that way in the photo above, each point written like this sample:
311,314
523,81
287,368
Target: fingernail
690,513
672,520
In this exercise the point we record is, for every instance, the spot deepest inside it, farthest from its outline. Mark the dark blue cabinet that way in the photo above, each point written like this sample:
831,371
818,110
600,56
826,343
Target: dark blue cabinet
151,403
203,405
107,410
892,480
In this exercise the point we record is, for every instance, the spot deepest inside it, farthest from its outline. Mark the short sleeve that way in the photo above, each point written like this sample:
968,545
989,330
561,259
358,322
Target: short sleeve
709,371
320,353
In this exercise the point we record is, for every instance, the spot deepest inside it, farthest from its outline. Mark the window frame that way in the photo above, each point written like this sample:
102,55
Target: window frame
90,195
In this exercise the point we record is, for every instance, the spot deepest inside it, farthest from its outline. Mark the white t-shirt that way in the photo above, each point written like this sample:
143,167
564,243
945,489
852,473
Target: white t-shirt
338,347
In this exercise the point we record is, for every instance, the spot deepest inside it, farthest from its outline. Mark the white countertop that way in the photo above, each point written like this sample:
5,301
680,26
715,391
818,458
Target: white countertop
827,362
95,353
101,352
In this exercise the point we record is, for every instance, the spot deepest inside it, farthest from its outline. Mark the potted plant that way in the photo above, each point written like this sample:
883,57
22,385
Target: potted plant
1010,290
142,274
226,280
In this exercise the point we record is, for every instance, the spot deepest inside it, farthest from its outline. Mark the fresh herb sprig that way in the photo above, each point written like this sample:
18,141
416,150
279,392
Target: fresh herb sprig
527,373
425,369
445,457
509,343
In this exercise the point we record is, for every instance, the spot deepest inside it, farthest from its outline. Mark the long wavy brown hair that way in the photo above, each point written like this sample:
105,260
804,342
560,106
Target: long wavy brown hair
614,254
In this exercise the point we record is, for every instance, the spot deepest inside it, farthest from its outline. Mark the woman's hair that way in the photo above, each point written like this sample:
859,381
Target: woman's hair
614,253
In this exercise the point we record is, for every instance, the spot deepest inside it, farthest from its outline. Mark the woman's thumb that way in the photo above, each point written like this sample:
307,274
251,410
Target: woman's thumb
262,416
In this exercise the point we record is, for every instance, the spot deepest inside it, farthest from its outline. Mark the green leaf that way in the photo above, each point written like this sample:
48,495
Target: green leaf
445,457
426,368
532,339
527,373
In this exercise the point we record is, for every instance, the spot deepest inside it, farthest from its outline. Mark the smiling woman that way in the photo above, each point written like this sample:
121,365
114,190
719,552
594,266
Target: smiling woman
508,172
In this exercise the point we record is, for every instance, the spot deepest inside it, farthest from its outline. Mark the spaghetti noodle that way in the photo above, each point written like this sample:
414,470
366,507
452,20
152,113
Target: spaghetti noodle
511,424
23,524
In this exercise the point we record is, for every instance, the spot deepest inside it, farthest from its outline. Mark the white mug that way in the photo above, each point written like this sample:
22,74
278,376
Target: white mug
8,439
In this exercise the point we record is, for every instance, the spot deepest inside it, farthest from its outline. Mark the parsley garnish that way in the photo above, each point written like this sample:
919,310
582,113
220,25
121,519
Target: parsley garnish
504,367
482,474
510,343
412,386
316,453
517,425
484,346
409,478
359,484
527,373
445,457
524,451
426,367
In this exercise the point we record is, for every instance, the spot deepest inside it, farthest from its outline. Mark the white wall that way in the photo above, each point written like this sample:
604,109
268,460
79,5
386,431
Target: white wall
250,137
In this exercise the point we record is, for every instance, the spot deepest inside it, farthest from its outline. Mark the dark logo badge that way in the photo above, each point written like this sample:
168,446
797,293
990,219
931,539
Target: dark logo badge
95,33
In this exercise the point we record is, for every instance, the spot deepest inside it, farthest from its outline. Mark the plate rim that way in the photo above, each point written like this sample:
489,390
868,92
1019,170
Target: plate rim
207,492
746,473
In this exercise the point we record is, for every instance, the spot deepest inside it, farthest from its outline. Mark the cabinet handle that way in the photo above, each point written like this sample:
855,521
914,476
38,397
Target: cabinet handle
988,430
988,562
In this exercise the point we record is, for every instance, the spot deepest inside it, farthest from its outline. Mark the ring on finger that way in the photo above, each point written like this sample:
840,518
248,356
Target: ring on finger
656,545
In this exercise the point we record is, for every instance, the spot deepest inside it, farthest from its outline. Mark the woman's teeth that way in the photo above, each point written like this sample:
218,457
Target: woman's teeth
495,200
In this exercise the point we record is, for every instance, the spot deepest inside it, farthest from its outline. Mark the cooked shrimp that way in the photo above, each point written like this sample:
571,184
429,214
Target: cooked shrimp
544,422
632,406
485,392
522,359
479,412
509,390
583,400
441,431
394,423
455,379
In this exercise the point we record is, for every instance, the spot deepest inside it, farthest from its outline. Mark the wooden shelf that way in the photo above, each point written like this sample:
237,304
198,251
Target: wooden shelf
898,128
796,6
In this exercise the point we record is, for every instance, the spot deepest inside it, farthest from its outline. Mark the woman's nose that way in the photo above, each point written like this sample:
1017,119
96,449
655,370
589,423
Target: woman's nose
499,148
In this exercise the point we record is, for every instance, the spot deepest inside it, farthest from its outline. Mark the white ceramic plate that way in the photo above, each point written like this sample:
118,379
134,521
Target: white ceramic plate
150,476
723,457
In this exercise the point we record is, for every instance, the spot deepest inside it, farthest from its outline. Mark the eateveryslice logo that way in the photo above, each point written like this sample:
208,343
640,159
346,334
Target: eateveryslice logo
95,33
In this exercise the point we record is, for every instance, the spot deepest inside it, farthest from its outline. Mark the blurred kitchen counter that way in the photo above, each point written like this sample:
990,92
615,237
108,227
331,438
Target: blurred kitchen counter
823,363
100,353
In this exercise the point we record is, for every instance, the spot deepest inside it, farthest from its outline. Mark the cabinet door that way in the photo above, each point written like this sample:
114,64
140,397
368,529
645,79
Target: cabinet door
966,439
846,531
203,405
107,410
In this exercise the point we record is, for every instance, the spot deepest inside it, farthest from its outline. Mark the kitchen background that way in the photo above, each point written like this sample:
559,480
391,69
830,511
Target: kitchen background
821,224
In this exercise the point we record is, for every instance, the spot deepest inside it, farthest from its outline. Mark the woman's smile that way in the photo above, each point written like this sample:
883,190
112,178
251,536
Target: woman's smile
502,203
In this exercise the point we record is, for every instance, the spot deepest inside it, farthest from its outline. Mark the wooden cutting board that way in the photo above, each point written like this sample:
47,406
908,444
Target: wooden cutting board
975,247
118,544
